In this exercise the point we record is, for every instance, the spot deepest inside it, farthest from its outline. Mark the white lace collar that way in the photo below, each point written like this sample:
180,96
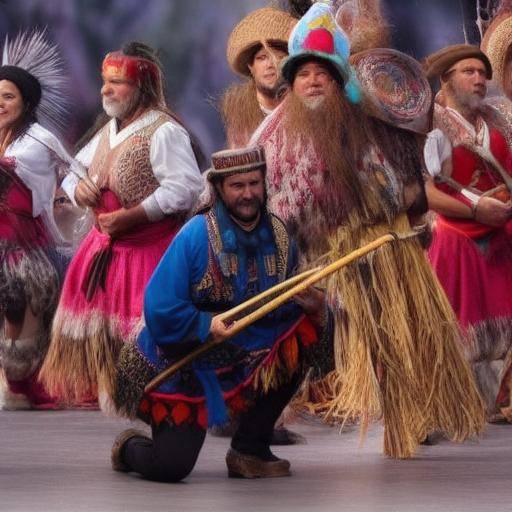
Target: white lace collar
144,120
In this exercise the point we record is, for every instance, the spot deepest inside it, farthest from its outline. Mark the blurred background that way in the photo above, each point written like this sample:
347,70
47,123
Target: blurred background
191,36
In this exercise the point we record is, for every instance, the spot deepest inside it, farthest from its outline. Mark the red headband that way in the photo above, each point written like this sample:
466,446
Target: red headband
130,68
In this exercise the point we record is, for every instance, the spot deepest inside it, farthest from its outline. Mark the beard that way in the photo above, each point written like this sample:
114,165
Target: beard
235,209
121,109
241,113
270,92
340,133
466,100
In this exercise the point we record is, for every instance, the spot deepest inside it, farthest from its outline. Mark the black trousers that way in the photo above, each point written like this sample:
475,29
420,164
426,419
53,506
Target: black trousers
172,453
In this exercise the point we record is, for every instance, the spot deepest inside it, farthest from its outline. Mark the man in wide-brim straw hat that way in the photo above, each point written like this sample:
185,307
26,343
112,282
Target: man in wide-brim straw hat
497,45
221,258
340,179
468,160
254,49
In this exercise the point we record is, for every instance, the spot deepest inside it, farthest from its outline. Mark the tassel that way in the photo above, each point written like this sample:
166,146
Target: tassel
97,272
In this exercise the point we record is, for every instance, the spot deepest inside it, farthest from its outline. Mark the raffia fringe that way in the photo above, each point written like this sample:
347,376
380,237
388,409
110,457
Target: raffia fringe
315,396
397,347
278,368
81,360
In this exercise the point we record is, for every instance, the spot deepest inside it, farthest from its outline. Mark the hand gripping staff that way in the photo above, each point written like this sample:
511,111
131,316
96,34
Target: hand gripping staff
287,290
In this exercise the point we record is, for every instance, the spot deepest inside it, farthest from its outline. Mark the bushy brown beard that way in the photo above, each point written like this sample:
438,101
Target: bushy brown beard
342,134
241,113
338,132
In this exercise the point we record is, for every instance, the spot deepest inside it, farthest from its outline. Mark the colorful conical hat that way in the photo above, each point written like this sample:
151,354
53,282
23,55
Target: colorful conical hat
318,35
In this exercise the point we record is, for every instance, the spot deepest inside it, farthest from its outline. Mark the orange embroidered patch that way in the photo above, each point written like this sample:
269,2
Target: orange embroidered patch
144,406
307,333
180,413
238,404
158,412
290,353
202,417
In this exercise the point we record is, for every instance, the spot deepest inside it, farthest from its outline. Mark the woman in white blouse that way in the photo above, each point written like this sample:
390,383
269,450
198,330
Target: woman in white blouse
30,266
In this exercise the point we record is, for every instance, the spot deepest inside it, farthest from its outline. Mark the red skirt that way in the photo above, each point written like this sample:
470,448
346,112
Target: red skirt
476,274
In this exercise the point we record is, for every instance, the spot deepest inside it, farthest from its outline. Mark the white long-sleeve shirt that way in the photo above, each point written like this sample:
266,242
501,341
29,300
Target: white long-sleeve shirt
37,154
172,161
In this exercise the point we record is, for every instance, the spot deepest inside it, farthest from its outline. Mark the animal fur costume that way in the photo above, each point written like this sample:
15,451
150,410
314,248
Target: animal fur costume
31,267
397,349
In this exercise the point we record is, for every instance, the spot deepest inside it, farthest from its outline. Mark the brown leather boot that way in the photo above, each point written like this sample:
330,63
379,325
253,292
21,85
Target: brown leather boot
241,465
120,441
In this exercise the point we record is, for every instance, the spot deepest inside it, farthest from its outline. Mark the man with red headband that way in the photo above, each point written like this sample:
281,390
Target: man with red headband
142,179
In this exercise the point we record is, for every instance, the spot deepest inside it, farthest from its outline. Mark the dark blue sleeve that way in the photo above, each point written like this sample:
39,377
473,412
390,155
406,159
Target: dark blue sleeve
169,313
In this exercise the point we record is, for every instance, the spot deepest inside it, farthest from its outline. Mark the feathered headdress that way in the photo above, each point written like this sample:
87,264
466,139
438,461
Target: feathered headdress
33,53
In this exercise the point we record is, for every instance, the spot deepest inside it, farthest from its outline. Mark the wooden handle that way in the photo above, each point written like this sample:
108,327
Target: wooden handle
227,315
245,322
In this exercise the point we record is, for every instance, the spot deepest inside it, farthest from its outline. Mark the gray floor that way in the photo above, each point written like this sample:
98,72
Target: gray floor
59,461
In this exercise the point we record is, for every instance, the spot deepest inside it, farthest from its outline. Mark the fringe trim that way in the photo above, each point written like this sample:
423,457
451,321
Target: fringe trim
19,362
134,371
32,274
278,368
489,340
488,347
397,346
81,360
315,396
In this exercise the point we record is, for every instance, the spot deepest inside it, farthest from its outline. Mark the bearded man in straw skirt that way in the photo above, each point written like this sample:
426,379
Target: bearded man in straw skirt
142,180
255,48
341,179
219,259
469,162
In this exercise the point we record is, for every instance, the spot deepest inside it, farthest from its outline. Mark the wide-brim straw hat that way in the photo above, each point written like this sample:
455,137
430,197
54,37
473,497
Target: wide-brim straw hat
236,161
441,61
264,26
396,88
496,42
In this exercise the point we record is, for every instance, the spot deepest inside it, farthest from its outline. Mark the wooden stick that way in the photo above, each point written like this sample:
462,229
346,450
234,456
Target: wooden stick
227,315
245,322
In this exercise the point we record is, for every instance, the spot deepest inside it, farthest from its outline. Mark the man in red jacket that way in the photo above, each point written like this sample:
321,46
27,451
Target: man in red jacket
469,162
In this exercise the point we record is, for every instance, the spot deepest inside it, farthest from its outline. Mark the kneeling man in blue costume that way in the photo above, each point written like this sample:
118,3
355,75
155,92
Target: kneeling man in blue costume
233,251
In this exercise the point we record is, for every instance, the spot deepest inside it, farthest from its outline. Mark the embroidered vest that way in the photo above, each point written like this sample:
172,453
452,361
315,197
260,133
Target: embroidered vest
215,287
468,168
126,169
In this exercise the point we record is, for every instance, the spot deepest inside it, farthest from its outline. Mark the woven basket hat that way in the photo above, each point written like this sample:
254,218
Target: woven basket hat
496,42
441,61
395,87
267,25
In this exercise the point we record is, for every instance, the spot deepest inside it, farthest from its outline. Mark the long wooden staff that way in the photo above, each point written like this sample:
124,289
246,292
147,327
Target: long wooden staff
259,313
281,287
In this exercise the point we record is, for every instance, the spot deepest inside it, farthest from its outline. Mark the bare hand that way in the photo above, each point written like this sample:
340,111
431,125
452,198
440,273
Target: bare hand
87,194
115,223
312,301
218,329
493,212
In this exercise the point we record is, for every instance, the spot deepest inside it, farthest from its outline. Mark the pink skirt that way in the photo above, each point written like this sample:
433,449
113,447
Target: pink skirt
133,260
89,330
